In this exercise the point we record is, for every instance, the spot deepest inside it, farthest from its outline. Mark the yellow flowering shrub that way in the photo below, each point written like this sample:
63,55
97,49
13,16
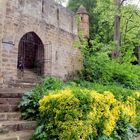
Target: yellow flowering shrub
75,114
137,100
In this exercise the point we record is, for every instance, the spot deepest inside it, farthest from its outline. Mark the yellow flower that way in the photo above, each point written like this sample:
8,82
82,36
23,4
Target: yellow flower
104,108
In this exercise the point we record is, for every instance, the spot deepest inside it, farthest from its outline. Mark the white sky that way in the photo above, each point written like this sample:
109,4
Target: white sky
134,1
65,3
137,2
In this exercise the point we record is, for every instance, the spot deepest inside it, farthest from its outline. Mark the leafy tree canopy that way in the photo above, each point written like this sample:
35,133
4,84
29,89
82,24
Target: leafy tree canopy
102,17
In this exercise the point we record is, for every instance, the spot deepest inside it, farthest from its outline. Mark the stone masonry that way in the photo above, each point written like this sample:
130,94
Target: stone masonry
53,24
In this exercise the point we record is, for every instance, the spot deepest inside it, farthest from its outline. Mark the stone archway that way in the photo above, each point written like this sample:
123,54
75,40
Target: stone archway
31,54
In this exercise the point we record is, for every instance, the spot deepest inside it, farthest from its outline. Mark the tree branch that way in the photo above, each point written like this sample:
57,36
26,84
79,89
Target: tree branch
121,3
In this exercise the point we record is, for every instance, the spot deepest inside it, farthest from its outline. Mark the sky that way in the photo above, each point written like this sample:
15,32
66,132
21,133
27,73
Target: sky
137,2
65,3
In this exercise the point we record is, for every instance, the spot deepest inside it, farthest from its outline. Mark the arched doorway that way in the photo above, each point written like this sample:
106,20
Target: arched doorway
31,54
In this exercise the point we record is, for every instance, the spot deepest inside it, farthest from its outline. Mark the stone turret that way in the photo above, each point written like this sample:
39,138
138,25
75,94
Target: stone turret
84,21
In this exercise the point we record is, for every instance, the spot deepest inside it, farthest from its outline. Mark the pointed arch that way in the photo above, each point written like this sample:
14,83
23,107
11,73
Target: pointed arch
31,53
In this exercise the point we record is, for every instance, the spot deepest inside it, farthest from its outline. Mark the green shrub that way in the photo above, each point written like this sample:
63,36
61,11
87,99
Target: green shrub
117,90
81,114
101,69
29,104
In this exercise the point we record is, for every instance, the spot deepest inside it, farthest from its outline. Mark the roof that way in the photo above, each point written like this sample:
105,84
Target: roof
82,10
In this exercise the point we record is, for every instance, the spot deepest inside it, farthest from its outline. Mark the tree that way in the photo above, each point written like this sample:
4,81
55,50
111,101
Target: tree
117,29
101,17
89,4
130,30
112,22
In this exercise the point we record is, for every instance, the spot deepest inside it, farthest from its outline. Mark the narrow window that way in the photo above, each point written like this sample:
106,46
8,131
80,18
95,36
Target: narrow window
81,19
57,14
42,6
56,56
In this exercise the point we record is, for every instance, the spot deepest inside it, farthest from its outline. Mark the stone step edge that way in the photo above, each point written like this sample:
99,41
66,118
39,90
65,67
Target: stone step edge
10,116
14,91
6,113
13,126
10,101
18,135
10,93
8,108
22,85
4,123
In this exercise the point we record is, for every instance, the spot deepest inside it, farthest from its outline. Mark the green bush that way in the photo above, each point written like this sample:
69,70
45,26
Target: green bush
101,69
74,105
81,114
117,90
29,104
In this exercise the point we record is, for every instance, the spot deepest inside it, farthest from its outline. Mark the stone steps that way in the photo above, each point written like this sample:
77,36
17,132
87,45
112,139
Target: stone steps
8,108
28,80
28,76
11,125
10,116
9,101
22,85
12,92
20,135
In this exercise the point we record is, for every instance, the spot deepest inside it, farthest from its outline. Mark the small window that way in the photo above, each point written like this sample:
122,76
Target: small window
82,18
56,55
43,6
57,14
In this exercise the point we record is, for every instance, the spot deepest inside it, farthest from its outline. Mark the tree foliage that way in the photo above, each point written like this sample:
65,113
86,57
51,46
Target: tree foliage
100,15
102,19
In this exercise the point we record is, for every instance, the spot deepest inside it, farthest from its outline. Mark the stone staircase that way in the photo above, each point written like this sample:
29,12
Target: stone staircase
27,80
12,127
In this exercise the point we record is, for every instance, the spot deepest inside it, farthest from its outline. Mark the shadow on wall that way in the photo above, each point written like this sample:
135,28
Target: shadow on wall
1,78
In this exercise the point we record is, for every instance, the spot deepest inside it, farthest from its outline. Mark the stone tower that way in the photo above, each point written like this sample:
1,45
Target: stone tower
84,21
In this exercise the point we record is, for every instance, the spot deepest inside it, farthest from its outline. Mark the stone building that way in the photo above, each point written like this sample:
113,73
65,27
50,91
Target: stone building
38,34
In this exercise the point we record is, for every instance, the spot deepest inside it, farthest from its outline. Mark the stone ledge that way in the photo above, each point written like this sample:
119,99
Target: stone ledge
12,92
13,126
13,116
8,108
19,135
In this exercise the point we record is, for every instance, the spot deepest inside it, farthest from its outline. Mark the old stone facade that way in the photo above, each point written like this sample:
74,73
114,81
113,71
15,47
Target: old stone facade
37,31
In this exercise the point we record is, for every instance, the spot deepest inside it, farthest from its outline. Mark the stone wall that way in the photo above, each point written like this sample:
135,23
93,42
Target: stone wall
2,17
53,24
